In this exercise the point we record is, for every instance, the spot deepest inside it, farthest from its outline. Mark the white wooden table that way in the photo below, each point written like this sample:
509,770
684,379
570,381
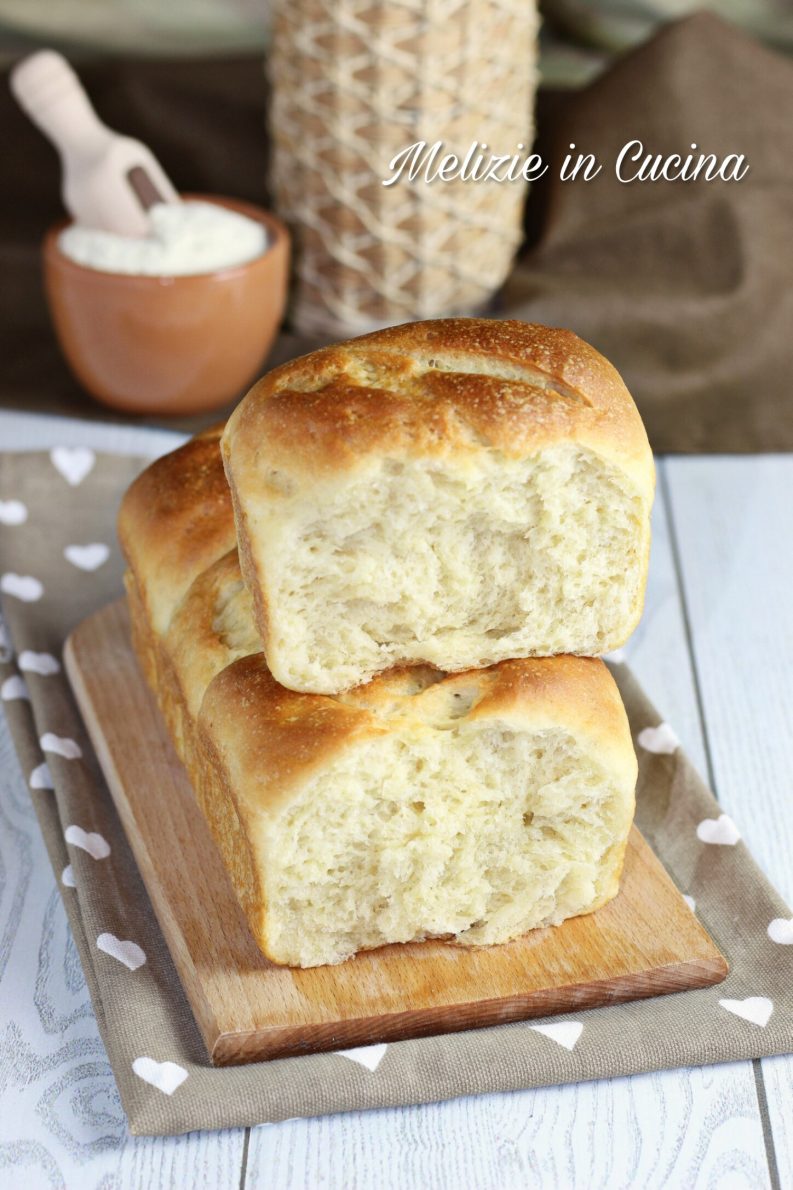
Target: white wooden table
715,653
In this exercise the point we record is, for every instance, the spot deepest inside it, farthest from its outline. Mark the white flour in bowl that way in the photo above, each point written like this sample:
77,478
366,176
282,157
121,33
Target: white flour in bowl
186,237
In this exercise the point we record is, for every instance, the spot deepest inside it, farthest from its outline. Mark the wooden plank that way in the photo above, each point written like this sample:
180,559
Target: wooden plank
644,943
200,1159
61,1120
651,1132
733,523
692,1127
658,651
733,520
778,1079
39,431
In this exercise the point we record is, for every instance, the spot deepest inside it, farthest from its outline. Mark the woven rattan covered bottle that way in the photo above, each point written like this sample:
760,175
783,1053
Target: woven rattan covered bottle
354,83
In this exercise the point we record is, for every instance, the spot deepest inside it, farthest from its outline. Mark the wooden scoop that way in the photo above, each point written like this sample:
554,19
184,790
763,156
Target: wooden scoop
109,181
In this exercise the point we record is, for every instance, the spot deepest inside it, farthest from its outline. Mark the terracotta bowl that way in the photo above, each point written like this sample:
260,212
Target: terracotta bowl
169,345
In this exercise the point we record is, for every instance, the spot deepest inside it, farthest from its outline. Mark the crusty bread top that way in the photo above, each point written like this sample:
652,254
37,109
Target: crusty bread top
272,740
427,388
175,520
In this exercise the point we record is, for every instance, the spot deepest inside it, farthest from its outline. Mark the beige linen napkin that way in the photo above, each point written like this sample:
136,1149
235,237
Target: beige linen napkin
58,563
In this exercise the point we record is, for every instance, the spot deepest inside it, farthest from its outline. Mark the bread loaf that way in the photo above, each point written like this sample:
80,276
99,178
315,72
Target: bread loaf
472,806
455,492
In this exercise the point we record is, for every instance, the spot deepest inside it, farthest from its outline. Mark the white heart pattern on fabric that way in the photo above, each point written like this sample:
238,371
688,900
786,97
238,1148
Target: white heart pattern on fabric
12,512
67,877
755,1009
39,663
22,586
565,1033
165,1076
660,740
73,462
14,687
87,557
96,845
780,930
721,830
41,777
692,904
369,1056
61,745
128,953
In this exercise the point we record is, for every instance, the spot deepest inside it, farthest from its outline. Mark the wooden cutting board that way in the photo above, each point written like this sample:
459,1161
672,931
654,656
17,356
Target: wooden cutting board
646,942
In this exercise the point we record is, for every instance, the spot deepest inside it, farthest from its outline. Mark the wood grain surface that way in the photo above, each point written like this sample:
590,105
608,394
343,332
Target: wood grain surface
644,943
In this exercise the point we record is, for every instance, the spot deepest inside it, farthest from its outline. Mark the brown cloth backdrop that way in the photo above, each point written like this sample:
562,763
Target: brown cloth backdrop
685,286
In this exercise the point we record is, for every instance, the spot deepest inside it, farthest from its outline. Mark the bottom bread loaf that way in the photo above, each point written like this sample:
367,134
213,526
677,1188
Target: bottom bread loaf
472,807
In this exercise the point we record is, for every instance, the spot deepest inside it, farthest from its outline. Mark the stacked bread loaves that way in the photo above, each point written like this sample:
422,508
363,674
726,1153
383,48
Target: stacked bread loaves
373,634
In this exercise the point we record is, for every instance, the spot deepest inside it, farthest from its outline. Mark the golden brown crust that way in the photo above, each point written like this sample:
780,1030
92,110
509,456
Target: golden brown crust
447,389
144,641
207,775
270,739
195,641
248,716
232,832
174,521
260,743
431,388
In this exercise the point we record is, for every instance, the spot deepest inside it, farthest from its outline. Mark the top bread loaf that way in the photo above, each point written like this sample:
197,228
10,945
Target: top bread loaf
456,492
